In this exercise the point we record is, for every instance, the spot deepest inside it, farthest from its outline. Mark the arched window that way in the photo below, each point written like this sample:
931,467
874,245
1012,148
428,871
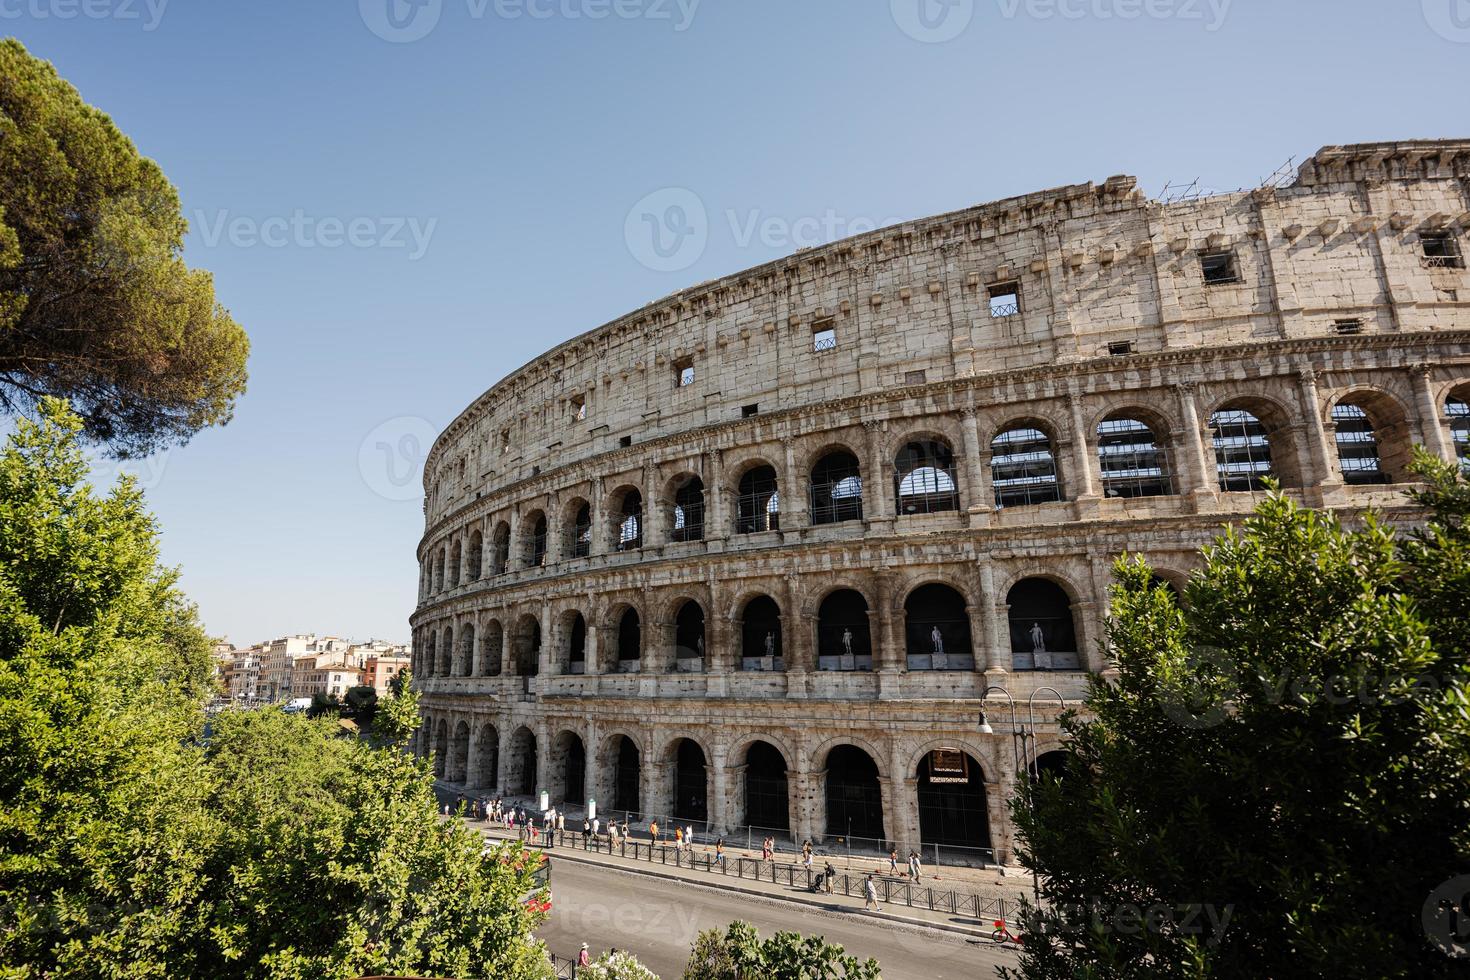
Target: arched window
767,800
459,752
500,549
536,541
576,632
691,782
580,543
528,646
1357,446
630,521
431,653
760,635
569,769
937,629
1131,459
521,768
1043,636
1023,467
630,642
626,775
689,637
952,807
757,503
439,571
1242,450
454,565
464,660
924,481
475,556
854,797
489,757
1457,413
843,638
445,666
689,510
492,649
837,489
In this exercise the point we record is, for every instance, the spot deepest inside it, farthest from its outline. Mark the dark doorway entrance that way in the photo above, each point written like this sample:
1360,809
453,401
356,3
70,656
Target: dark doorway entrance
854,798
690,778
625,781
952,800
766,800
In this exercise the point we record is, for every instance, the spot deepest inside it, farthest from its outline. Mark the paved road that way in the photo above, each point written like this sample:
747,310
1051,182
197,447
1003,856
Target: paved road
658,921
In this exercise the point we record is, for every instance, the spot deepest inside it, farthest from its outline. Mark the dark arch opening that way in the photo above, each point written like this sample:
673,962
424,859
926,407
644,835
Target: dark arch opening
1053,763
459,754
577,645
630,522
492,650
844,640
475,556
924,478
1243,457
1023,467
691,779
836,489
570,763
464,660
767,802
445,653
536,542
689,511
441,748
581,533
1131,459
521,774
489,757
500,549
757,502
630,642
760,635
1043,636
626,776
952,808
528,647
937,629
854,796
689,637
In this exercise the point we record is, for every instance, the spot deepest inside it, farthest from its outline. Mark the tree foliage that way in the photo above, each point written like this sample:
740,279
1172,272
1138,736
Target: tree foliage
396,717
135,843
621,965
96,303
739,953
1279,779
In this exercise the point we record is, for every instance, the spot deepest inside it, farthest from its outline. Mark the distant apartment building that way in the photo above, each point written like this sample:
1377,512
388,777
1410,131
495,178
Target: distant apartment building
242,674
332,673
379,669
278,669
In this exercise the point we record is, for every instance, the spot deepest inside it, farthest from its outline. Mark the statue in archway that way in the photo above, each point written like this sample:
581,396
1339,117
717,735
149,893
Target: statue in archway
847,642
1041,658
937,640
771,643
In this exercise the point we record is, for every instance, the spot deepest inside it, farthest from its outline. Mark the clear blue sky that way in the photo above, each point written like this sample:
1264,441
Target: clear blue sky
517,136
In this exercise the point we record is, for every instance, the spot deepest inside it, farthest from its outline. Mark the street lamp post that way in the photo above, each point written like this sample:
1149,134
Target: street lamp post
1020,736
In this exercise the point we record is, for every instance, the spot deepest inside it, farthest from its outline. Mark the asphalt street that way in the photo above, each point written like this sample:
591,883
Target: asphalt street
658,920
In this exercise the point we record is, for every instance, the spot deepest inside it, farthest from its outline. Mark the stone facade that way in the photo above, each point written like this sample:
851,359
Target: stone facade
831,500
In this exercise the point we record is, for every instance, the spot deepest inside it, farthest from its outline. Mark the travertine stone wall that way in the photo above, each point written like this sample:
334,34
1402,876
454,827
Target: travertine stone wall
920,356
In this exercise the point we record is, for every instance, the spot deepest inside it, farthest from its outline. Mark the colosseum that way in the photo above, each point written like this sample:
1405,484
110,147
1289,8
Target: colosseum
760,554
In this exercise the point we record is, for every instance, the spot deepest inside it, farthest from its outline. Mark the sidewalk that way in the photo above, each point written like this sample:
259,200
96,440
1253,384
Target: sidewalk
973,915
1010,884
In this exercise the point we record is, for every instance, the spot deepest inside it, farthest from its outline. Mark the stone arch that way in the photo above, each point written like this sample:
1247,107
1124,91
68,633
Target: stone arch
741,743
688,761
500,549
765,793
690,635
625,635
576,522
926,476
844,631
1453,402
464,656
439,561
459,753
521,774
455,562
1025,462
441,747
937,627
1133,452
1253,439
988,769
567,761
621,757
1372,433
429,656
835,484
535,537
445,665
475,556
626,507
1042,623
821,753
492,648
686,502
488,757
854,794
932,428
571,655
952,798
758,501
526,646
761,625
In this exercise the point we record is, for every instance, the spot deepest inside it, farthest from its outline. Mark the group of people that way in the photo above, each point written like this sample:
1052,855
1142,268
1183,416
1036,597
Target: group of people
915,865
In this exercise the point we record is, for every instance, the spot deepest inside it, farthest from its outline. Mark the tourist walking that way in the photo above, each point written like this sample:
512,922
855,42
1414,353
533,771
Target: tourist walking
870,894
828,873
720,851
653,831
914,865
678,838
584,958
893,861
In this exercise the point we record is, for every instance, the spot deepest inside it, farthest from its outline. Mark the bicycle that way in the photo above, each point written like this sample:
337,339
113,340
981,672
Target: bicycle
1003,934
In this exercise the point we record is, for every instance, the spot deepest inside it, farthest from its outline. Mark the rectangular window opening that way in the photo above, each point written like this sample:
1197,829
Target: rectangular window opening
1441,250
1005,299
625,441
1219,268
749,411
913,377
1348,327
824,335
579,409
1120,348
684,372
